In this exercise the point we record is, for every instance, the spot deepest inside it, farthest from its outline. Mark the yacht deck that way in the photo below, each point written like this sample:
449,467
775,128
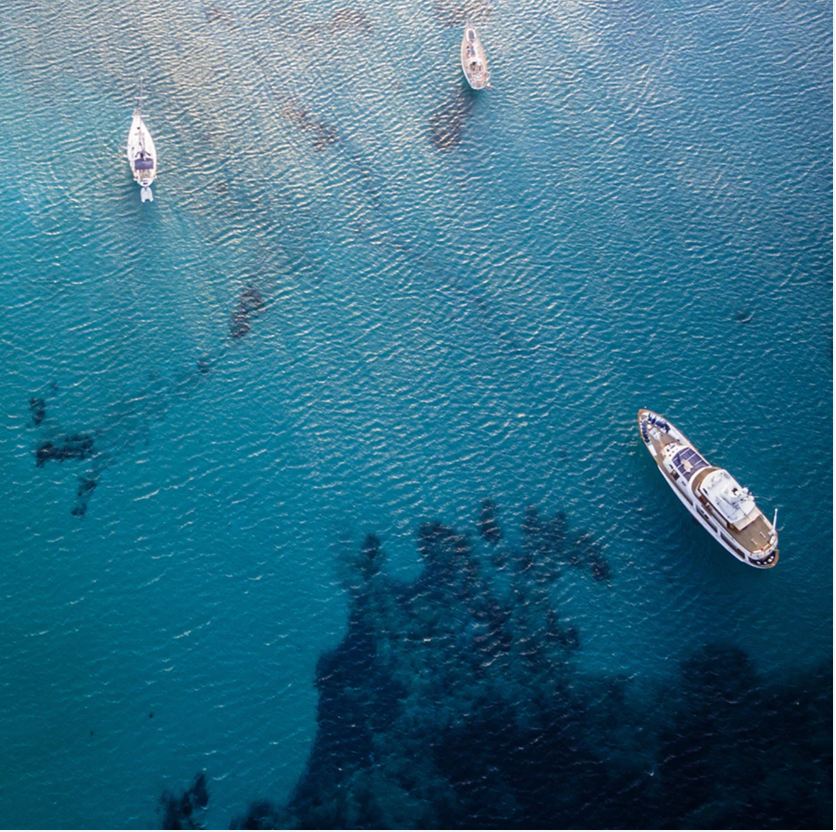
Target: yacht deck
659,434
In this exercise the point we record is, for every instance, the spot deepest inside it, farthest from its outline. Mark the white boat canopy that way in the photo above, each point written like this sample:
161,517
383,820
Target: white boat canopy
734,502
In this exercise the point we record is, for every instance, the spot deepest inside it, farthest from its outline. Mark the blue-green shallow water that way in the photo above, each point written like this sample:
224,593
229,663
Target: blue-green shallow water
467,297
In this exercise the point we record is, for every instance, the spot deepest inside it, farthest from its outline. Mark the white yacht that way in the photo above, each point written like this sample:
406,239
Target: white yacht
717,501
142,155
474,61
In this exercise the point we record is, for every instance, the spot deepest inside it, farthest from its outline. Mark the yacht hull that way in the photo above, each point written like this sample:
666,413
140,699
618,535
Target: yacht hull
664,441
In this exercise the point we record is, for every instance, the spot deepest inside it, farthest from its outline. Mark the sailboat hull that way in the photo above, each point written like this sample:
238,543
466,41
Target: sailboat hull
474,62
142,155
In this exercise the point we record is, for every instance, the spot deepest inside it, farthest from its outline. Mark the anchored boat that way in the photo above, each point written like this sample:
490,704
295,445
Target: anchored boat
142,155
717,501
474,62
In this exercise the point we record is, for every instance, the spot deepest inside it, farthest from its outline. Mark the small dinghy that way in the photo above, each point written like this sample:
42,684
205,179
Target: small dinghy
474,62
142,155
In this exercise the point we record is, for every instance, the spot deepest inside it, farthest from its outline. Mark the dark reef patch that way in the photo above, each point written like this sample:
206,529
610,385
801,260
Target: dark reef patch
348,19
740,753
489,522
441,688
217,14
126,422
178,810
453,702
448,120
585,552
250,305
452,13
262,815
86,486
37,409
124,425
320,133
200,792
73,446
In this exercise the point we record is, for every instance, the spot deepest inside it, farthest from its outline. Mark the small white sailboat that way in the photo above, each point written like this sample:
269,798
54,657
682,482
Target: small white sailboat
142,155
474,61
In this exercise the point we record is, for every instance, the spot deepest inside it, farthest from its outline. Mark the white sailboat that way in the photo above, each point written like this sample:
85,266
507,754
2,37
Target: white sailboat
142,155
474,62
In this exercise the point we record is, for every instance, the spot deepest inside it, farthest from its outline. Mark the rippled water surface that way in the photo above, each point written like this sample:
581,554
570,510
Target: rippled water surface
460,297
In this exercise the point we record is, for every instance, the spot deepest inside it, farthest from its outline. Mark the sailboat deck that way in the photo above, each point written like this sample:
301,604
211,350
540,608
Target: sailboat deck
474,60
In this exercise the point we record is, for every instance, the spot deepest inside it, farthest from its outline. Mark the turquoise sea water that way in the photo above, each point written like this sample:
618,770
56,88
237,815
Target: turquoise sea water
467,297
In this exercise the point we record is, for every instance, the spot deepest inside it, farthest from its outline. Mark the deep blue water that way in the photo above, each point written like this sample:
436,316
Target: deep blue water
463,298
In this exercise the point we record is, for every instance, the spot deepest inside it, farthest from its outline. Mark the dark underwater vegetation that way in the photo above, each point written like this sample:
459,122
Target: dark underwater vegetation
452,13
70,446
348,19
128,422
344,20
448,120
453,702
320,133
250,305
416,355
37,408
181,810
